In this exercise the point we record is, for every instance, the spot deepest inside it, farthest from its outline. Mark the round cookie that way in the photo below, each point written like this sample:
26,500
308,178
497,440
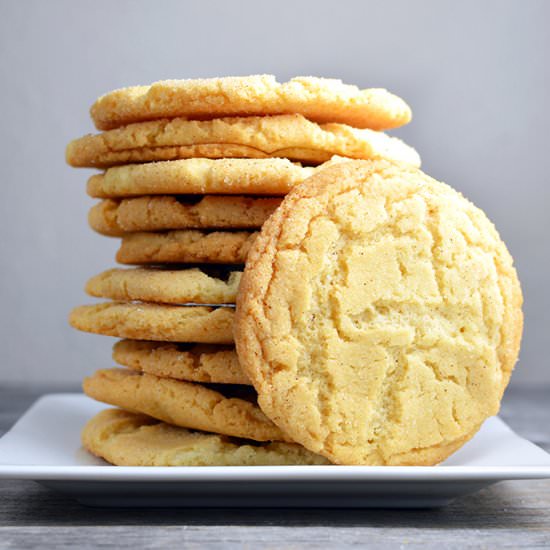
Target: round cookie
124,438
115,218
319,99
182,403
166,323
199,176
166,286
289,136
194,363
379,316
185,246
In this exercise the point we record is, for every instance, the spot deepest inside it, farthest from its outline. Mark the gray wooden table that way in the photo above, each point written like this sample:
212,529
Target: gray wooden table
513,514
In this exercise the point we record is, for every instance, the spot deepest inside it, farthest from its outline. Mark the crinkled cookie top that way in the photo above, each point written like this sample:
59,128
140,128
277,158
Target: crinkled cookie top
379,315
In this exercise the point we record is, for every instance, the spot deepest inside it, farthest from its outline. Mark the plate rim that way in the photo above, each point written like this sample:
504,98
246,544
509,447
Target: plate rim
291,474
296,474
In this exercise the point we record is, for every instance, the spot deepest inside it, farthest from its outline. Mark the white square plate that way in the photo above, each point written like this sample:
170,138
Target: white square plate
44,446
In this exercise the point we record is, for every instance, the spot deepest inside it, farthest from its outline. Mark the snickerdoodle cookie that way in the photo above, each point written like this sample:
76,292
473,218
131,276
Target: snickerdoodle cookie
287,136
379,316
124,438
115,218
319,99
183,404
146,321
207,363
166,286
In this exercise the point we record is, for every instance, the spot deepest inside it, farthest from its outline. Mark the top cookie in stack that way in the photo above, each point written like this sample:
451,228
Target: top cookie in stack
321,100
192,169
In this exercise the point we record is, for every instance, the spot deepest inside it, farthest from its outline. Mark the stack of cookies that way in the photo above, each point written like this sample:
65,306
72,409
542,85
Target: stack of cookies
350,300
192,169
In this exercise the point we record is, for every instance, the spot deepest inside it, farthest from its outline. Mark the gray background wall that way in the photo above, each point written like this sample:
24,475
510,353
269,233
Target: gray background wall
476,74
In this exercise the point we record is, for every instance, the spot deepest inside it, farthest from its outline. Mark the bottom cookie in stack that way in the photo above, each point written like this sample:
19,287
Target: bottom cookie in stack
125,438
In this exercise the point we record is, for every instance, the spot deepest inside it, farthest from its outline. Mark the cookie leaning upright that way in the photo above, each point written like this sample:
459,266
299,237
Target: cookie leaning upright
379,316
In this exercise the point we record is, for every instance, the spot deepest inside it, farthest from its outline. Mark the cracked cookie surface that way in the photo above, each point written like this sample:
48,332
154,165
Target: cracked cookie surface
182,403
319,99
124,438
379,316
